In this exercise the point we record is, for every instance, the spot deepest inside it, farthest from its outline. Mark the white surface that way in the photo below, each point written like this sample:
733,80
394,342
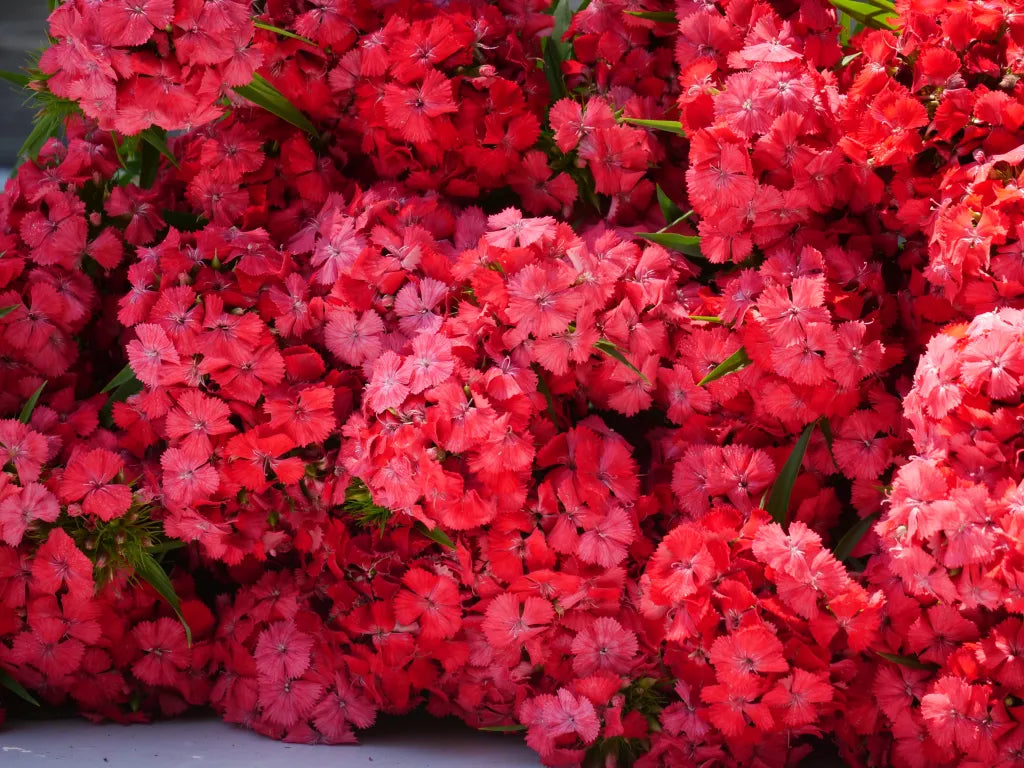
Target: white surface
207,743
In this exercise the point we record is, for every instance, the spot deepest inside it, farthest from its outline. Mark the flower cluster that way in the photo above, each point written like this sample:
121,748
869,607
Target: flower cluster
548,368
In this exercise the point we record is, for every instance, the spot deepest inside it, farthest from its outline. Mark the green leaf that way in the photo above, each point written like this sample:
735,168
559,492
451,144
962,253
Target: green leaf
688,244
12,685
707,319
875,15
436,535
125,375
666,17
906,661
848,543
183,222
845,62
613,351
19,79
563,18
26,412
149,570
149,165
157,139
734,362
669,210
45,128
672,126
503,728
553,69
544,389
282,32
826,431
261,93
782,488
7,310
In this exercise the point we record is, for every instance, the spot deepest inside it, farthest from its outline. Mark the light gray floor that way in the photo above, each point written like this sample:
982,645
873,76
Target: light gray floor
208,743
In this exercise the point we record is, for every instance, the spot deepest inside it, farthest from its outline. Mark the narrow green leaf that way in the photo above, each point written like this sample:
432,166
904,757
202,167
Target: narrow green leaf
666,17
875,15
26,412
7,310
669,210
157,139
707,319
563,18
734,362
544,389
12,685
782,488
20,79
848,543
436,535
125,375
553,69
672,126
612,350
688,244
845,62
503,728
46,127
261,93
906,661
183,222
149,570
826,431
149,164
282,32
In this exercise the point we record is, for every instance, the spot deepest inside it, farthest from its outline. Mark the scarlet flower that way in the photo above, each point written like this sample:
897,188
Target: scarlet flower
795,697
58,562
19,510
510,622
542,301
282,651
286,701
603,646
307,418
151,354
412,110
23,447
165,653
681,564
196,419
187,477
432,600
750,651
87,479
132,22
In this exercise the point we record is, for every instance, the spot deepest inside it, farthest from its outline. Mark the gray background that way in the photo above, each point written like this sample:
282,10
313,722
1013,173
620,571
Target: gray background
22,30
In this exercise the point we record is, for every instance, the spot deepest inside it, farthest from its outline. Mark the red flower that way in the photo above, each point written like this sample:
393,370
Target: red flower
57,563
87,479
432,600
282,651
413,110
165,653
750,651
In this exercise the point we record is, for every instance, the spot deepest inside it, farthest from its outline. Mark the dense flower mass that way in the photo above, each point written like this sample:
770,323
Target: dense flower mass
645,377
